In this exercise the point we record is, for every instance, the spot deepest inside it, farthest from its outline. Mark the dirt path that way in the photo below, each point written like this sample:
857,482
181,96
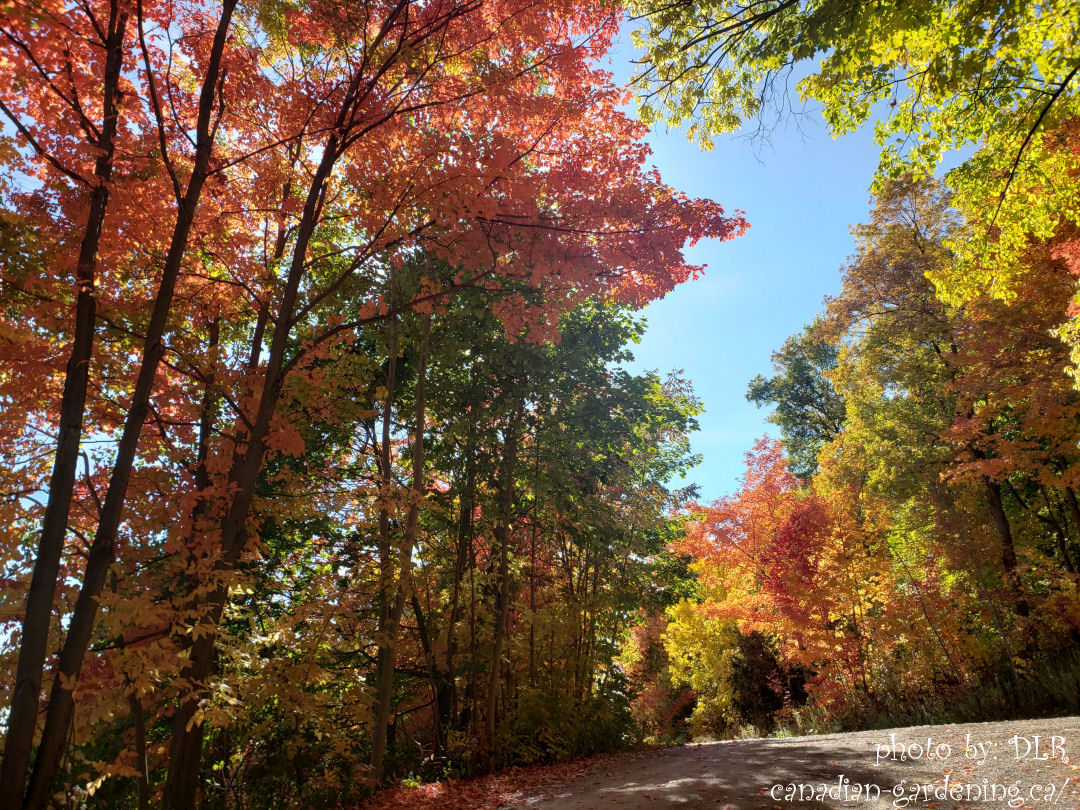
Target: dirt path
767,774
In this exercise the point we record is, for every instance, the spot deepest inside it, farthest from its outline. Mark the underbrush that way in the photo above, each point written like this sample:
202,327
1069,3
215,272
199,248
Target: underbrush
1050,688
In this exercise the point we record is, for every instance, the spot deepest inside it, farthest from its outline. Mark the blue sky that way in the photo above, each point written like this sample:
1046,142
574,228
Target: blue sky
800,192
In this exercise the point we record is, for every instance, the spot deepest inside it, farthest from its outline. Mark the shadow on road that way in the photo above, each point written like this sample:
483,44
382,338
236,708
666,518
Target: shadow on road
834,771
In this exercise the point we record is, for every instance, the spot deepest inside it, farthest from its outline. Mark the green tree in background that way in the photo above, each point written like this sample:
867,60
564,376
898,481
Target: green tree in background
807,410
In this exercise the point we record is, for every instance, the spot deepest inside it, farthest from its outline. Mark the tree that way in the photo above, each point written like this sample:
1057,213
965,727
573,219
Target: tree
934,77
794,565
931,548
43,51
249,249
808,410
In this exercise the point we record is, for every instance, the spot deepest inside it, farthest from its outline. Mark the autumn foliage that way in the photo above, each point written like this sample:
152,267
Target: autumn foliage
925,568
234,237
320,469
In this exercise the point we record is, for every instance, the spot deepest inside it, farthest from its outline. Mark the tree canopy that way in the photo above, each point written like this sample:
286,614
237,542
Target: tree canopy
808,410
996,81
321,465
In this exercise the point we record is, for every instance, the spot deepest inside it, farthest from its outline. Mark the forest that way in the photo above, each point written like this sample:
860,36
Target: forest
322,468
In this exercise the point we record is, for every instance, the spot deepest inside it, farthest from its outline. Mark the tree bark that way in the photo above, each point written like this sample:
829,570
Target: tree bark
389,634
1008,549
61,703
142,779
386,574
434,675
502,609
448,700
39,601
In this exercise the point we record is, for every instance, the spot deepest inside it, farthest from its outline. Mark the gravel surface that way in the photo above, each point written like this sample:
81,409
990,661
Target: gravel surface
768,774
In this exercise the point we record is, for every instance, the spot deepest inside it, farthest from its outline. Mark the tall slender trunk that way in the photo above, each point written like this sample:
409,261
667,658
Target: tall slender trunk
385,597
186,745
590,671
1074,508
1008,549
434,675
389,634
448,699
502,608
532,604
61,703
468,713
142,778
532,558
39,601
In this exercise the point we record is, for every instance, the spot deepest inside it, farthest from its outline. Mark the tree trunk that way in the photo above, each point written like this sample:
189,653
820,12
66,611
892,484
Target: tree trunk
1008,550
437,678
80,628
502,609
532,559
389,633
386,573
39,602
142,779
185,752
448,700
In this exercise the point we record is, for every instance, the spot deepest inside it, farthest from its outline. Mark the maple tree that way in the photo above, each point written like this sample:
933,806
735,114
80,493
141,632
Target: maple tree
321,470
241,194
931,549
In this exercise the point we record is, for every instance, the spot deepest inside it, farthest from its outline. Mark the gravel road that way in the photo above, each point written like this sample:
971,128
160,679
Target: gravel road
950,767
